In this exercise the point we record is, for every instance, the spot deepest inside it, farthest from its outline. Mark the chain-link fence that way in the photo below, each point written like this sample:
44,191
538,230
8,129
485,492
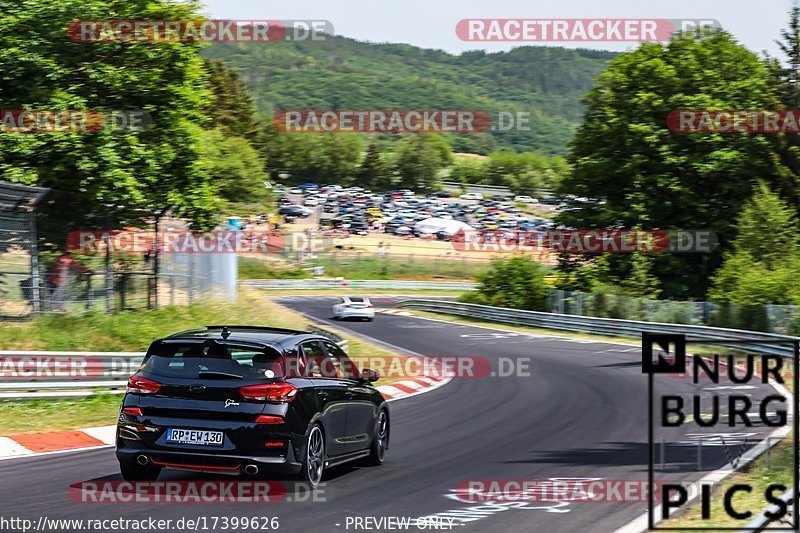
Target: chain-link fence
78,284
67,278
782,319
19,268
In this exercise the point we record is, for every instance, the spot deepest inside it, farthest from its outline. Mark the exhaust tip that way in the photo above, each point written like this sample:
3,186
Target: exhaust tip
142,460
251,470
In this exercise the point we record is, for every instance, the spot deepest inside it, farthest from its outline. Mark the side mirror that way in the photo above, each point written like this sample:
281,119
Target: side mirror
370,376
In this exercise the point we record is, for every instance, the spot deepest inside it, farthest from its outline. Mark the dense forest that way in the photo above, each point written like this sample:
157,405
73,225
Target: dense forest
342,73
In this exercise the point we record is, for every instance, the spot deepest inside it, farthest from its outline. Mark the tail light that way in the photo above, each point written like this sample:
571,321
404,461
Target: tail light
347,306
140,385
280,392
268,419
133,411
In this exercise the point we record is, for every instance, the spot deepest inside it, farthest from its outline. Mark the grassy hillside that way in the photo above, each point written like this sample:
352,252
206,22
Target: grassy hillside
342,73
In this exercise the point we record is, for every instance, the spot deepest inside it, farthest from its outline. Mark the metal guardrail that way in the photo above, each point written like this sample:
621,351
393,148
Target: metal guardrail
608,326
474,187
38,374
370,284
28,375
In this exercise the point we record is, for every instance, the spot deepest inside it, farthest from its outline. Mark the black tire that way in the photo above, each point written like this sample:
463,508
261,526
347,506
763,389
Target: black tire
135,472
313,456
380,442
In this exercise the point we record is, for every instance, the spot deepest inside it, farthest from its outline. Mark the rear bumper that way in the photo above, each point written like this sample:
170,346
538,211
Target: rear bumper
212,462
357,313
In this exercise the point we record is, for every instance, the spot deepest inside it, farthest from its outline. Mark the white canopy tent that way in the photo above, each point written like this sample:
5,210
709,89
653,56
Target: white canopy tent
435,225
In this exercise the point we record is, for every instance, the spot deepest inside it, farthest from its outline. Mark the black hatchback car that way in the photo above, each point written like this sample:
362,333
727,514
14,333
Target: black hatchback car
249,400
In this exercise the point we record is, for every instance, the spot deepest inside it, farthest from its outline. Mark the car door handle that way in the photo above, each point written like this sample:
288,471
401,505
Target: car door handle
349,394
323,395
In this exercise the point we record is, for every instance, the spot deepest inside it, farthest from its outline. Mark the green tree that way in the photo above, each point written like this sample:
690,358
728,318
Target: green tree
373,173
420,158
336,157
762,267
517,283
235,167
159,168
231,108
787,80
328,157
790,46
524,173
640,281
636,173
467,170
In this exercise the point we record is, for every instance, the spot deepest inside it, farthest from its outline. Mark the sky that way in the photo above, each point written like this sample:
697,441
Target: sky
431,23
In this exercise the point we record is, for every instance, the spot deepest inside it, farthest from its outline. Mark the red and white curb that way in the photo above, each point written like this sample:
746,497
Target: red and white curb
396,312
27,444
412,387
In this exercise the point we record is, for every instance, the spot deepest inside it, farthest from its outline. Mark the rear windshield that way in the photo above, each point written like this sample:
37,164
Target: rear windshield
212,360
356,299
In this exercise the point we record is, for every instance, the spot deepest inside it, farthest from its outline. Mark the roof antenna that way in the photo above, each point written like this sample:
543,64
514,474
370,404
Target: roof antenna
225,332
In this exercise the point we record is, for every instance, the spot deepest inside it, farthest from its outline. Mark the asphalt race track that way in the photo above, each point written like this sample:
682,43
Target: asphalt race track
581,414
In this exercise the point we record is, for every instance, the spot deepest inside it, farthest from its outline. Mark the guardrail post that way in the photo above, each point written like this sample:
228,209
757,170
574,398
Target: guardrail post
191,278
36,281
700,453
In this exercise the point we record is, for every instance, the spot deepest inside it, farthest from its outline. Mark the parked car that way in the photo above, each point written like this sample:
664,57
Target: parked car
245,400
294,210
526,200
353,307
471,196
359,227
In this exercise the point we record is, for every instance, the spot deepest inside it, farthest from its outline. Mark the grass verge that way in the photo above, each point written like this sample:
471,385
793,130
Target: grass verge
358,266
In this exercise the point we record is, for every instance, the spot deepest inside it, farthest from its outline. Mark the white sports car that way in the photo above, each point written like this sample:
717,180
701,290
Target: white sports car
353,307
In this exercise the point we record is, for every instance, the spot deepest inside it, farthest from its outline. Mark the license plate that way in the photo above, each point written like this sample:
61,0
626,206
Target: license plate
194,436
